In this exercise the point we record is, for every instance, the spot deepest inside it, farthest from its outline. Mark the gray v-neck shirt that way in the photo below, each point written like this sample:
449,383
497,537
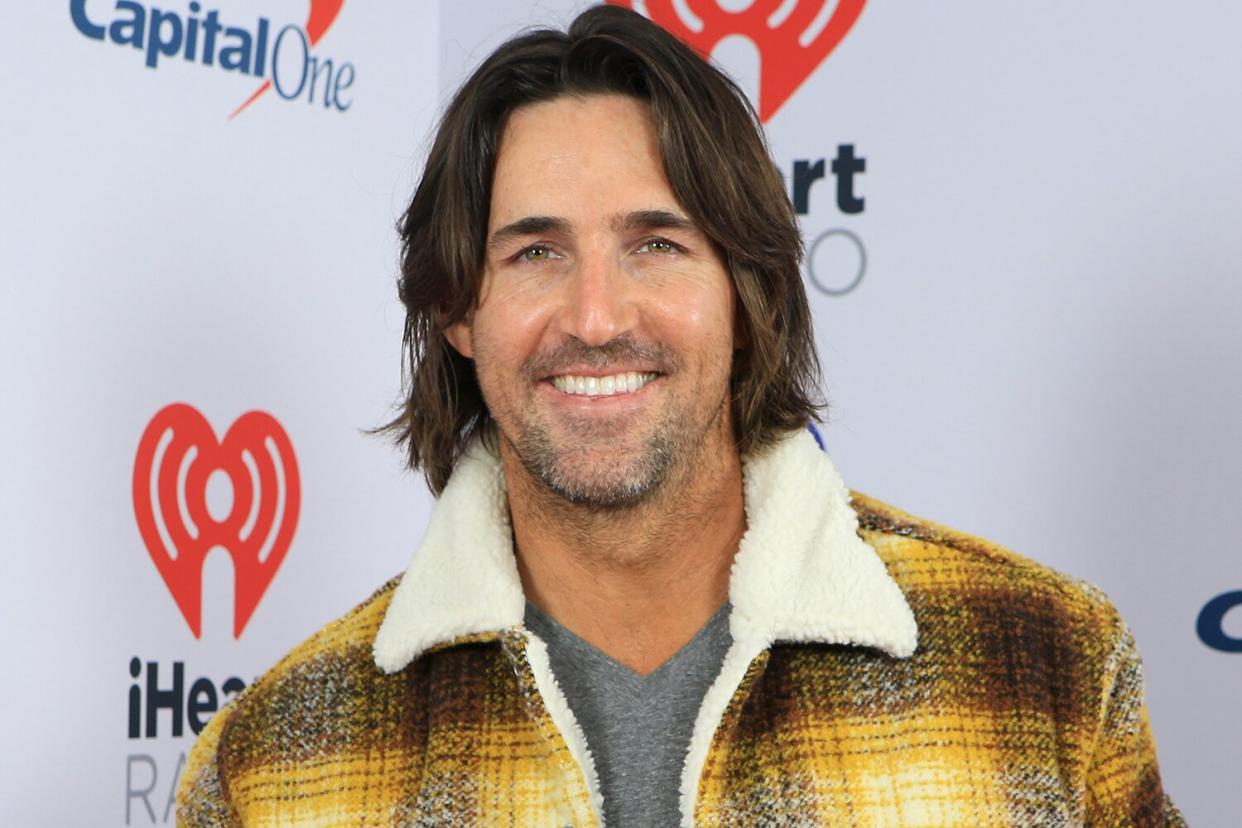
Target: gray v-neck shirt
638,728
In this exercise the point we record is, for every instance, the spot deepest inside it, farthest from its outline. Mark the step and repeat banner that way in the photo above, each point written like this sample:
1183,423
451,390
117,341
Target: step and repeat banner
1023,258
199,319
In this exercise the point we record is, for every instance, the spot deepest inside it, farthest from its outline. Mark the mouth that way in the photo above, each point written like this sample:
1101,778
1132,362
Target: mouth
609,386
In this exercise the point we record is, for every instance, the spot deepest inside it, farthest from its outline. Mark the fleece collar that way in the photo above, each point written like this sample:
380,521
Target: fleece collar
801,572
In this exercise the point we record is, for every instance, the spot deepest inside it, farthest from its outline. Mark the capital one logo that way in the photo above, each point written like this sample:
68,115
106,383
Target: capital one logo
280,55
178,457
793,37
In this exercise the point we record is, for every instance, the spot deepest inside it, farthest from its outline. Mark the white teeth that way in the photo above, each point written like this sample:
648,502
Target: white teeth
602,386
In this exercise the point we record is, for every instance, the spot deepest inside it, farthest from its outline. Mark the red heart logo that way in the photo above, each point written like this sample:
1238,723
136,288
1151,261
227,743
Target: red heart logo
792,38
177,454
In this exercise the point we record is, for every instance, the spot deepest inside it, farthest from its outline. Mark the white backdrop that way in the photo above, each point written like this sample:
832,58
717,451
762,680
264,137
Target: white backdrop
154,251
1042,347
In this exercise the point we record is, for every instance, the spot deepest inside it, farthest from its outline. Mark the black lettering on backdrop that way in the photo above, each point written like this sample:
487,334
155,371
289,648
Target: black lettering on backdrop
845,167
804,175
1211,622
836,259
170,699
193,708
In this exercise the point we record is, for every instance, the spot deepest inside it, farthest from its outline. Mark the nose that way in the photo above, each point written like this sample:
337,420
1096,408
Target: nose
599,304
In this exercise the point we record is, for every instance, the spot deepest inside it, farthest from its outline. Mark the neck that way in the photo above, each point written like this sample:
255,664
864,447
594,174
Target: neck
636,582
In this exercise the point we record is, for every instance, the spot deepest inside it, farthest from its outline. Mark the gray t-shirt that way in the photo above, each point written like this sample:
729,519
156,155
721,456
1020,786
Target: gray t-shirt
637,728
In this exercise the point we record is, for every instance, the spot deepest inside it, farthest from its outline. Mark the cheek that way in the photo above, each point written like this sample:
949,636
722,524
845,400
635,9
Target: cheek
699,318
504,334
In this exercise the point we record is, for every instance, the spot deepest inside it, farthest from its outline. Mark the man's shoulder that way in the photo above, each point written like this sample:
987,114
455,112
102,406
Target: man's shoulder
312,714
342,645
937,566
344,639
319,675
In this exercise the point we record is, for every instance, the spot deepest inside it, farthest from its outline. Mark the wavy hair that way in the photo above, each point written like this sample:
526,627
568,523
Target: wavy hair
718,165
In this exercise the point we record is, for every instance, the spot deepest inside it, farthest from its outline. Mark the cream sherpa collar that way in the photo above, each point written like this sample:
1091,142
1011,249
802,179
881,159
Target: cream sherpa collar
801,572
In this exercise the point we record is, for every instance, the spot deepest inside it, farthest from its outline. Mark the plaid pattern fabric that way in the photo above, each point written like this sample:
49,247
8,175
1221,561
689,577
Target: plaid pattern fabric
1022,706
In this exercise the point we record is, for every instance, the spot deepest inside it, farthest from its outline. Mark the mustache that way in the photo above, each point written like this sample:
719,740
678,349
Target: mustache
623,350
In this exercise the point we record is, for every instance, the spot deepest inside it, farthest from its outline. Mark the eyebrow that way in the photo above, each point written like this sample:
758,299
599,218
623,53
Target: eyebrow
653,220
540,225
527,226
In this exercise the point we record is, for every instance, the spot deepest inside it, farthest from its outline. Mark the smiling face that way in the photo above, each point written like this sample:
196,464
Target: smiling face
604,333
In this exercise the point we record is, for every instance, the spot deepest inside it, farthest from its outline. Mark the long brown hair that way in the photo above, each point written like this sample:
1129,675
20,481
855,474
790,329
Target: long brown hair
718,166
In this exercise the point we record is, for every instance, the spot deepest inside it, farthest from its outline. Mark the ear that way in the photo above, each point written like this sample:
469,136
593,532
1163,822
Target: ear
458,335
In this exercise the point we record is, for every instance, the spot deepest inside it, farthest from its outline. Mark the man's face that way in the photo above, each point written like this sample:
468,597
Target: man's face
604,335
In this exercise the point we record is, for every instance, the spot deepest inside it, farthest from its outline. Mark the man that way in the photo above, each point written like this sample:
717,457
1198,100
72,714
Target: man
645,597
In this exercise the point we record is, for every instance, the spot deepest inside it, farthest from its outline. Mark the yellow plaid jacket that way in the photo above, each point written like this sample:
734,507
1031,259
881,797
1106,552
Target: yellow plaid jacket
885,671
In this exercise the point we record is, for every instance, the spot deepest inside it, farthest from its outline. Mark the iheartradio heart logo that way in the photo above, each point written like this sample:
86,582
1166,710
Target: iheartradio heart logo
177,456
793,36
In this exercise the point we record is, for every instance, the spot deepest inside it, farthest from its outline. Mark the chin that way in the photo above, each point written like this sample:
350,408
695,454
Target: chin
603,494
604,476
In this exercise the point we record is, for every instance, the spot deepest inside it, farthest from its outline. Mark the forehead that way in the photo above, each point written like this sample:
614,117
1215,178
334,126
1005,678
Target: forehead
578,156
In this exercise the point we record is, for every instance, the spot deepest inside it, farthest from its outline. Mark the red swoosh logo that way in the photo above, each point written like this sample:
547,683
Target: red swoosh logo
319,19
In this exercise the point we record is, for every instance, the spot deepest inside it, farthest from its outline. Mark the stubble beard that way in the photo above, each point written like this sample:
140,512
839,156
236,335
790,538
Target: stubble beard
583,464
603,483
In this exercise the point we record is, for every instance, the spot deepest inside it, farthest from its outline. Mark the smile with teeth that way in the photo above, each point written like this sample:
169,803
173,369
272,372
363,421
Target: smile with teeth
602,386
